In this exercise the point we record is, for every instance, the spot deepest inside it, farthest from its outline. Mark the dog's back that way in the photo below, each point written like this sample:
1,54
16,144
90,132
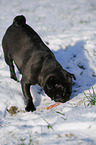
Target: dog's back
21,42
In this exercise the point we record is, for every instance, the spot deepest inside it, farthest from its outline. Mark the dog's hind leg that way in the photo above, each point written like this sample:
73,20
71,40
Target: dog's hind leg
12,71
9,61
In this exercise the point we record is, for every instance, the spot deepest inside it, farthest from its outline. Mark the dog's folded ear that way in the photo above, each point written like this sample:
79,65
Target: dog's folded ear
67,74
72,76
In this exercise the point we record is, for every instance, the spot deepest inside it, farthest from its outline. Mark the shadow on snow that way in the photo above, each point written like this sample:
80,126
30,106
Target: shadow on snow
73,60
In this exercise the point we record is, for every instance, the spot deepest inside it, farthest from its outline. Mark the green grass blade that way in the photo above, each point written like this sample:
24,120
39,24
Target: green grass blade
60,113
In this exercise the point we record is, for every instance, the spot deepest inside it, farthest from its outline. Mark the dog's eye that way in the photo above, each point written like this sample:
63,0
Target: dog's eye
50,85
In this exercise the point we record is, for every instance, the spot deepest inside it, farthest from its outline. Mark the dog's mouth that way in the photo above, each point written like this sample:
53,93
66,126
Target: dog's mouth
60,99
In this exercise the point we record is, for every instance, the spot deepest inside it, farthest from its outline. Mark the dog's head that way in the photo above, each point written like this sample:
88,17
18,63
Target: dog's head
59,86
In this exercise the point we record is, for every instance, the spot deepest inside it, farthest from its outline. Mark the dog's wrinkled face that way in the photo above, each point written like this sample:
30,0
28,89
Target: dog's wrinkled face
59,89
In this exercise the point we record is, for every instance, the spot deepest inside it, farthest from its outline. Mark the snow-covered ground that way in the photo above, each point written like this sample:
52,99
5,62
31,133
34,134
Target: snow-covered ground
69,28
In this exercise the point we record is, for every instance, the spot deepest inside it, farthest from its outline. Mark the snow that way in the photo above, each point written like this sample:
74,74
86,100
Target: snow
69,28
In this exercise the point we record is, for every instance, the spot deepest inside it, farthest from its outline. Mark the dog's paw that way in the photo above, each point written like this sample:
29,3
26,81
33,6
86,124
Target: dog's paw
30,108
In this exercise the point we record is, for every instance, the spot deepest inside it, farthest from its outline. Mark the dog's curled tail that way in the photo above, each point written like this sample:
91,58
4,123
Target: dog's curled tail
19,21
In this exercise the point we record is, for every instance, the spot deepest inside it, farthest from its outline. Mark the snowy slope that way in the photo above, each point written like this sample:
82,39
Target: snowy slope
69,28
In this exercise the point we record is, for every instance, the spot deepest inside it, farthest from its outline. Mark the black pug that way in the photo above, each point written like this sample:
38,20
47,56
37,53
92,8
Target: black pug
36,63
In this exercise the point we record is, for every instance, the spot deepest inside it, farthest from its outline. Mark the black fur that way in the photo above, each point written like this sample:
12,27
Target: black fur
36,63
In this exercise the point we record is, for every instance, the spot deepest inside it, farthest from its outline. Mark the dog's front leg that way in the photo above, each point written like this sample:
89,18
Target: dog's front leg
26,91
